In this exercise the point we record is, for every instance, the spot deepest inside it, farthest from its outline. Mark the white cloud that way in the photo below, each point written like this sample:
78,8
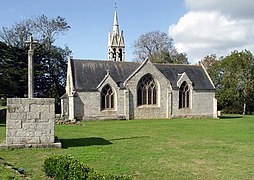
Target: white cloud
207,29
234,8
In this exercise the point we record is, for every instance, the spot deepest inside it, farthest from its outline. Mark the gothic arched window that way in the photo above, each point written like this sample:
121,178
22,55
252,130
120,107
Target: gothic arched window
184,96
107,98
147,91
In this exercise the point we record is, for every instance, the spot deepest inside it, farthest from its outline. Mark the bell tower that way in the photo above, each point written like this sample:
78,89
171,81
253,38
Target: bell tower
116,47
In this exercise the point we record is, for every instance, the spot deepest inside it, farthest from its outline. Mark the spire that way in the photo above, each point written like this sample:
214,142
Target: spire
116,47
116,26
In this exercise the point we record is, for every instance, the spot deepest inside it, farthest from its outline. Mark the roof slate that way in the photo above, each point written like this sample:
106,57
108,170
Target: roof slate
87,74
195,72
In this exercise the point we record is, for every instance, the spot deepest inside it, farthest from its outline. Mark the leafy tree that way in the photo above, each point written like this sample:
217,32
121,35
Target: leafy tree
50,74
213,68
233,77
158,47
238,77
13,71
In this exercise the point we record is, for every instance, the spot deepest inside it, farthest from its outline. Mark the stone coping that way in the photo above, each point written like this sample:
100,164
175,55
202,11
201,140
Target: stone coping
28,146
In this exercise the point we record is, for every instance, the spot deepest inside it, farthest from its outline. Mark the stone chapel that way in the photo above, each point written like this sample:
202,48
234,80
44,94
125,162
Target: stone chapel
116,89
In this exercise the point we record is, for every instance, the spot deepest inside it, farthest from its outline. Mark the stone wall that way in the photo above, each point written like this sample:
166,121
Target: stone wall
201,105
87,105
30,121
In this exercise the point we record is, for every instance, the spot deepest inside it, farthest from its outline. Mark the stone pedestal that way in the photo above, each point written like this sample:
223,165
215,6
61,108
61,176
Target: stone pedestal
30,123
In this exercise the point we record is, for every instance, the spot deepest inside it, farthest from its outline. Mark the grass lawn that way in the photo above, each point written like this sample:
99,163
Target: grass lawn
152,149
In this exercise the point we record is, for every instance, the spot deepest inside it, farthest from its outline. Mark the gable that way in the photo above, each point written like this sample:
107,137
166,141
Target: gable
195,73
147,68
183,78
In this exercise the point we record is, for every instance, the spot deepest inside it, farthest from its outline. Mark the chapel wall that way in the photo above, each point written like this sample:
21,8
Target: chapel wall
201,105
88,106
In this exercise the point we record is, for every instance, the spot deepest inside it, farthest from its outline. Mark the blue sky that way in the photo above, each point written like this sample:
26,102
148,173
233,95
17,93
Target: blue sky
198,27
91,20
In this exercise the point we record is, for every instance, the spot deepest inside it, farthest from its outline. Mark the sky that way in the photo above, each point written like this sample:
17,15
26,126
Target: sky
198,27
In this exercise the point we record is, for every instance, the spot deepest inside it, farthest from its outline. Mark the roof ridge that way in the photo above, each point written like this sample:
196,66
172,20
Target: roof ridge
98,60
172,64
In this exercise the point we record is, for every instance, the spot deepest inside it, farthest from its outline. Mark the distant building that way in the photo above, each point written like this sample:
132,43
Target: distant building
116,89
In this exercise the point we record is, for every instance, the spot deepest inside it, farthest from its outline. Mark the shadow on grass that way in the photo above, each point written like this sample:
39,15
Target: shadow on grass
66,143
93,141
136,137
231,117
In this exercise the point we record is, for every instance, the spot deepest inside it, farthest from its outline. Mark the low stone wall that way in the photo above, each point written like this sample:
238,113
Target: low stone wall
30,122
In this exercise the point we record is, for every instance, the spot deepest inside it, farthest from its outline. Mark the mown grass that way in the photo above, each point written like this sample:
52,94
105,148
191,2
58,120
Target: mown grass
152,149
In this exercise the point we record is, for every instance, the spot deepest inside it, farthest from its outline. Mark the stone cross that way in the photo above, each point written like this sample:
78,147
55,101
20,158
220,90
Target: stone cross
31,43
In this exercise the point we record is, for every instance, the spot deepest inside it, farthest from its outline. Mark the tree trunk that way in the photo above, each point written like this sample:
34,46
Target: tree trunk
244,108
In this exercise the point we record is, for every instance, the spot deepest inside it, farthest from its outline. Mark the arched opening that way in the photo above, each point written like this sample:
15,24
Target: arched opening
107,98
184,96
147,91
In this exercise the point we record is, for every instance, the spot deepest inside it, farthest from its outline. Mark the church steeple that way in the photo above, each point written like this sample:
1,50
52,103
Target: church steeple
116,26
116,47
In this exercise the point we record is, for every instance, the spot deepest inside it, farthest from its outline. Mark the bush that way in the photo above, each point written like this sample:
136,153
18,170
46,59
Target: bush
63,167
49,166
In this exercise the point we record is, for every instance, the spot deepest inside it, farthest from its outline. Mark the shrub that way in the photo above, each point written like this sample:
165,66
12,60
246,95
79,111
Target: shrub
63,167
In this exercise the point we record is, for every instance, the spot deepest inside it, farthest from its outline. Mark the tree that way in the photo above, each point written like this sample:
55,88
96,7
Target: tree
158,47
13,71
238,77
233,77
50,61
213,68
43,29
17,34
49,29
50,74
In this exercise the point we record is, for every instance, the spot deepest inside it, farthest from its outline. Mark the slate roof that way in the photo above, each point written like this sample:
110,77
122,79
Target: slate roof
87,74
195,72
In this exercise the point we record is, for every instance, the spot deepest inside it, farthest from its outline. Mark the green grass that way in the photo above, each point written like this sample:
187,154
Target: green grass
152,149
7,173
